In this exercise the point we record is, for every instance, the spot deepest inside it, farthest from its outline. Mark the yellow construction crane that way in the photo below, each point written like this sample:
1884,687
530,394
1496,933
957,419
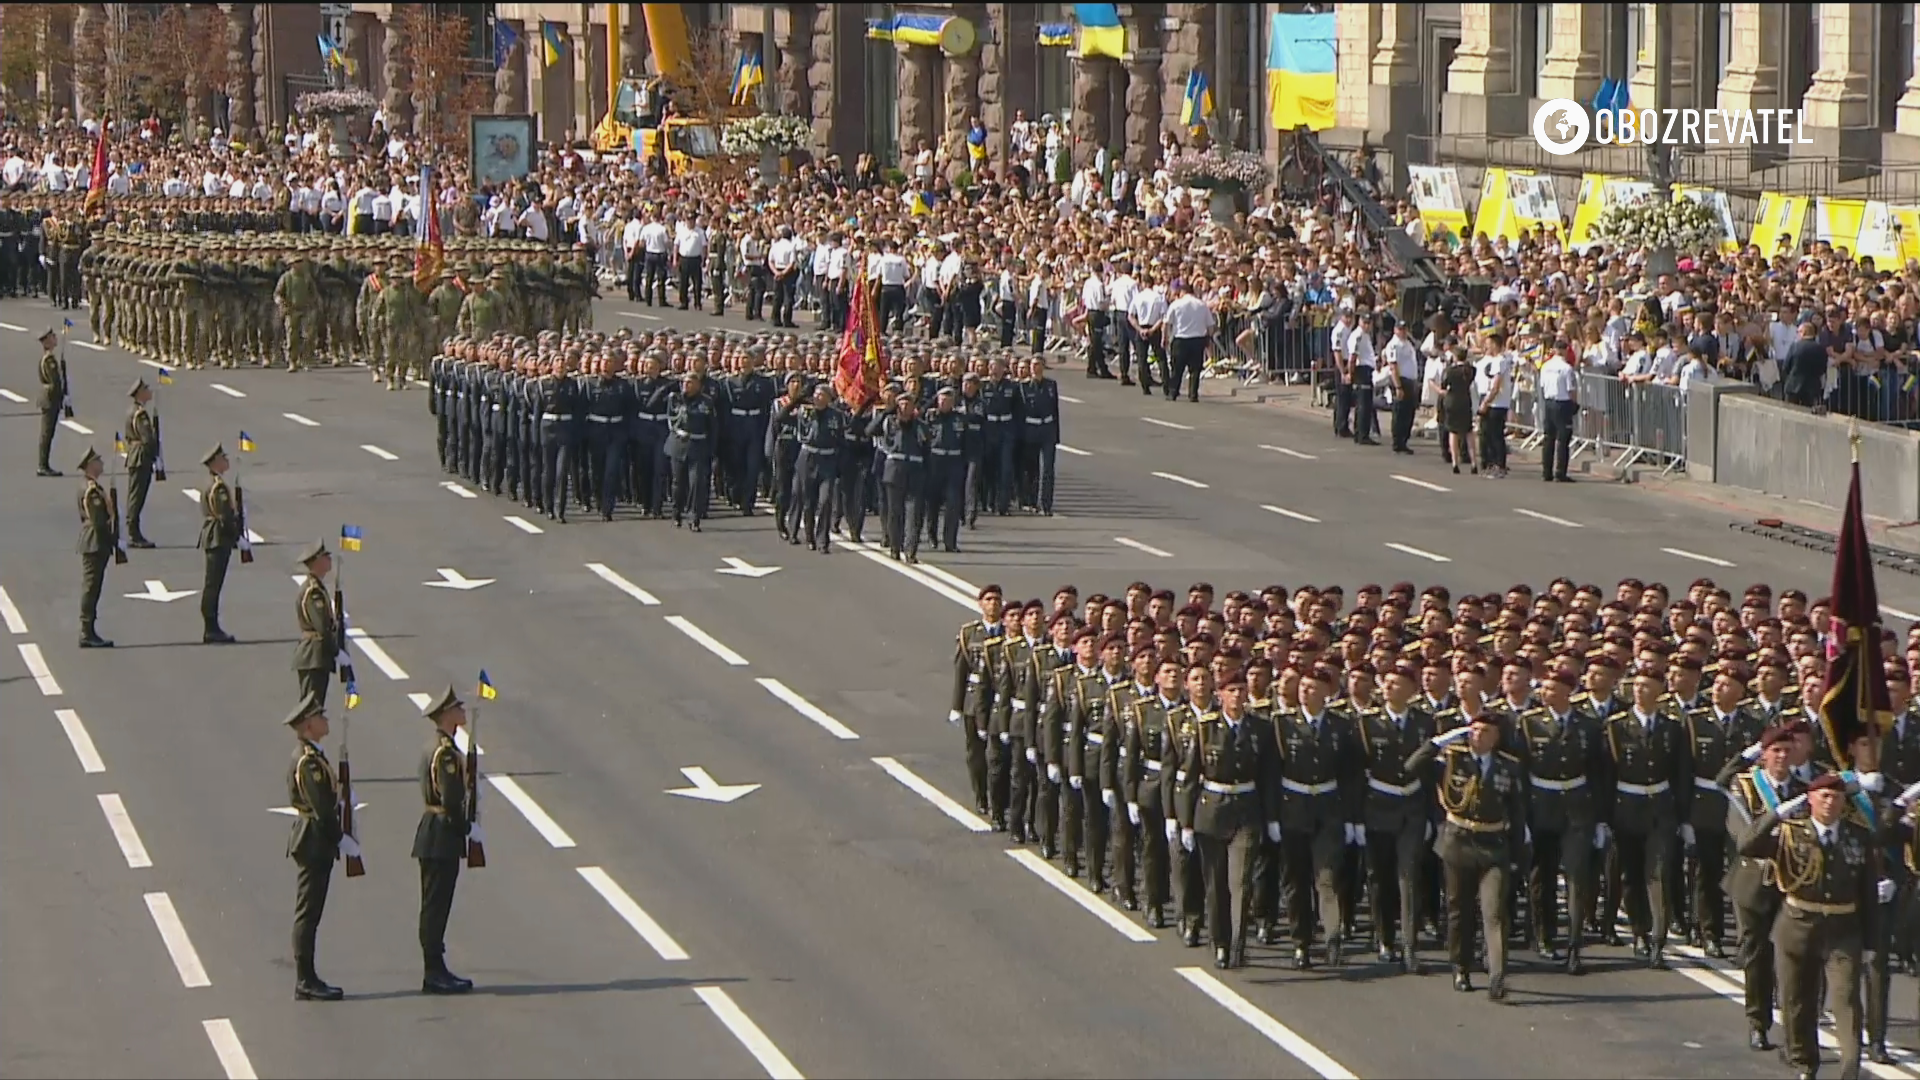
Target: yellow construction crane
634,105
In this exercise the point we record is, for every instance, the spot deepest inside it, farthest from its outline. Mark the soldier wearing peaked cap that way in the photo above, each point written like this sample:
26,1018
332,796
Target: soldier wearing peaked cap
53,398
315,842
99,539
441,838
314,655
219,534
143,455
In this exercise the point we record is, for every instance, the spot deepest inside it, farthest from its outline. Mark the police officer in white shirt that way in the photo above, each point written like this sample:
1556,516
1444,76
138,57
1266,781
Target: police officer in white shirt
1360,361
1559,392
690,261
1401,360
892,271
655,243
1189,325
783,261
1120,290
1093,297
1147,318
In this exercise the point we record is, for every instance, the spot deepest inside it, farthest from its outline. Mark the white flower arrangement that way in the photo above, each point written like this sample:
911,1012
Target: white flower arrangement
1218,168
1682,226
349,102
758,134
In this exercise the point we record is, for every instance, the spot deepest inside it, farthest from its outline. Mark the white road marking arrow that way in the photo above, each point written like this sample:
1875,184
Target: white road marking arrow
159,593
707,789
456,580
745,569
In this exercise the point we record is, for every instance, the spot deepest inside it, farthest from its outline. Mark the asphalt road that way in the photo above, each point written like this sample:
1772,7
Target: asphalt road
848,917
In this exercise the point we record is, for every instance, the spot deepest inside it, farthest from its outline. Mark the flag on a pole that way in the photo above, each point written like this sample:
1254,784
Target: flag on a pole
505,37
166,377
430,255
862,363
550,40
487,692
1856,700
747,74
97,179
350,537
246,443
353,695
1197,103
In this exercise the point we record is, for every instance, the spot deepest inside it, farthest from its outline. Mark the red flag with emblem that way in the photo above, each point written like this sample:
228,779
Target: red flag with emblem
97,179
862,361
1856,696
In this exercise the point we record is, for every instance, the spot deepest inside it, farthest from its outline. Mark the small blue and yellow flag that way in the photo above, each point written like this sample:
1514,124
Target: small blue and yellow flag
68,323
353,695
246,443
487,692
350,538
552,43
119,444
166,377
747,74
1196,103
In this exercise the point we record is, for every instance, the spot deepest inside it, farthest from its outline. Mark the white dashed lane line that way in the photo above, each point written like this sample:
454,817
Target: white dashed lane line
76,426
911,780
1710,560
633,914
301,420
706,641
13,397
226,1046
227,390
11,614
613,578
1294,514
1127,541
186,959
523,525
82,742
1290,453
91,345
1184,481
383,455
1548,518
1419,483
36,662
807,709
1157,422
1063,448
1408,549
124,833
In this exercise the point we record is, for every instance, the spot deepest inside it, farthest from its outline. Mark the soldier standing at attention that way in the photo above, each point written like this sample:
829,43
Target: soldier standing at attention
1231,793
219,535
973,690
1828,866
99,539
315,654
440,840
316,841
53,398
143,452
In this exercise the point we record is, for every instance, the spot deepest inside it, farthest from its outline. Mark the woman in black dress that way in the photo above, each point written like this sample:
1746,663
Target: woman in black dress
1456,408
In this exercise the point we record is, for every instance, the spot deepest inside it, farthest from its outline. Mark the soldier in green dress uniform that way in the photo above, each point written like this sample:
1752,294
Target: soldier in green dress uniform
315,654
441,838
143,458
219,534
99,539
316,841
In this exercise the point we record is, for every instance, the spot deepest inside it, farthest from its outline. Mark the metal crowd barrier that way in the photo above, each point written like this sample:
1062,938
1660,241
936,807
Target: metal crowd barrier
1620,423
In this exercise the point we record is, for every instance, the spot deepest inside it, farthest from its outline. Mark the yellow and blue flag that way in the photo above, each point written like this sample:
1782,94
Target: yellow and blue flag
747,74
353,695
166,377
119,444
350,538
246,443
487,692
1197,103
551,41
1055,35
66,325
1100,31
1301,76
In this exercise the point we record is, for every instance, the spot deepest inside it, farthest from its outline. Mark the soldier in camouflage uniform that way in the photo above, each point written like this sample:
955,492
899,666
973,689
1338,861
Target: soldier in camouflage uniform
297,295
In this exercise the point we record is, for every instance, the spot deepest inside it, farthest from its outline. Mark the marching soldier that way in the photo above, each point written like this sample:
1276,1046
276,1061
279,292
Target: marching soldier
143,453
1874,806
1144,775
822,432
1753,790
440,840
219,535
315,842
1653,792
1716,729
1398,824
1568,809
973,702
1016,708
1828,866
53,399
1320,815
99,539
1231,795
318,650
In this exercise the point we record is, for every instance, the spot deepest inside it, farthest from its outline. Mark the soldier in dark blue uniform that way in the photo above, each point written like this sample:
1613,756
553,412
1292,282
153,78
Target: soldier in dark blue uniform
822,433
946,471
856,469
1000,437
491,386
560,409
691,424
647,437
902,435
610,406
973,443
751,392
1039,436
782,447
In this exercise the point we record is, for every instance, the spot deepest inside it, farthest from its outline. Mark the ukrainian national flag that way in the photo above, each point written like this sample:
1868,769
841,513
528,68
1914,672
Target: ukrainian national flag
353,695
1055,35
246,443
350,538
119,445
1301,72
551,41
1197,103
1101,33
747,74
487,692
166,377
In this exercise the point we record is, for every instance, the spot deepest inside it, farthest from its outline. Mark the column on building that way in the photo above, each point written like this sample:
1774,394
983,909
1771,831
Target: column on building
961,94
793,43
1357,27
1572,67
1142,67
820,73
1676,56
1847,50
1907,121
1483,63
1752,78
510,79
1395,98
89,56
580,76
1187,46
240,110
919,67
994,44
393,73
263,95
1092,98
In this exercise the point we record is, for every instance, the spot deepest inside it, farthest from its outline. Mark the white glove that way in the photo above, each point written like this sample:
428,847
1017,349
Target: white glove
1686,834
1601,834
1273,831
475,834
1751,753
1173,830
1133,814
351,848
1006,737
1075,782
1186,839
1870,781
982,733
1053,772
1448,737
1908,797
1033,756
1793,807
1526,835
953,716
1106,797
1886,889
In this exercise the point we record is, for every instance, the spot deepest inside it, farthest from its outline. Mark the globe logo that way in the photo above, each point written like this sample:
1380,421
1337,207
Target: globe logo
1561,127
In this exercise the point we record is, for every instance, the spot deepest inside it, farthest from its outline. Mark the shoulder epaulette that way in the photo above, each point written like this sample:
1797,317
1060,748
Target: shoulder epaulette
1507,756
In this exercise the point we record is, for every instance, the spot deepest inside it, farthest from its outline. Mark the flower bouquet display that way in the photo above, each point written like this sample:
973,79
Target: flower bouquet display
757,136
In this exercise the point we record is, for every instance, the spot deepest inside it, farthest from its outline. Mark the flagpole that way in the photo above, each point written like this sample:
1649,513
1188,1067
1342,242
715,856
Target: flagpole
1853,437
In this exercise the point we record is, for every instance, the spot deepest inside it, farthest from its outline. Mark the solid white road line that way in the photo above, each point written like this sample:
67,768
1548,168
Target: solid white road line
616,897
1136,545
376,654
13,397
91,345
1416,552
1276,1032
911,780
227,390
608,575
1294,514
226,1046
1157,422
82,742
1419,483
541,821
706,641
1730,985
174,933
301,420
749,1034
76,427
807,709
524,525
1069,399
1290,453
458,490
10,613
37,667
1178,479
11,326
873,553
952,579
1548,518
124,833
1062,447
1890,612
1079,894
1696,556
383,455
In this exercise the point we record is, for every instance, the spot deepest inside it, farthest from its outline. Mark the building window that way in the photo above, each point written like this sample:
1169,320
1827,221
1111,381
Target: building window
883,93
1624,24
1894,31
1799,53
1712,52
1536,40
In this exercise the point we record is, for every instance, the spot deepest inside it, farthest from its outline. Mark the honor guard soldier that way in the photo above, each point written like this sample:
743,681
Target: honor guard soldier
1189,881
1652,807
692,425
317,652
1873,805
972,705
53,399
1016,710
1398,824
1718,728
220,530
1231,796
1759,779
315,842
143,454
1569,803
902,436
1039,409
99,539
1148,761
1062,719
822,431
782,447
1482,795
1323,780
440,840
1828,866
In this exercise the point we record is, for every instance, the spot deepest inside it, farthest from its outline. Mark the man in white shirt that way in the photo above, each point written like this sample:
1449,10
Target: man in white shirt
892,271
1559,390
655,242
1093,298
783,262
1120,290
1360,361
1189,326
533,222
1147,318
690,261
1400,360
1493,382
630,248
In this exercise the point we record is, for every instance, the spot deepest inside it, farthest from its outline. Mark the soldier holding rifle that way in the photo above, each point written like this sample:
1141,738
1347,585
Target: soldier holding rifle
318,838
446,833
99,541
220,531
54,399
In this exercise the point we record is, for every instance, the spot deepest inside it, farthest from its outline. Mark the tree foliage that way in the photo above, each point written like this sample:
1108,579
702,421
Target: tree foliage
706,91
176,57
34,39
447,87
